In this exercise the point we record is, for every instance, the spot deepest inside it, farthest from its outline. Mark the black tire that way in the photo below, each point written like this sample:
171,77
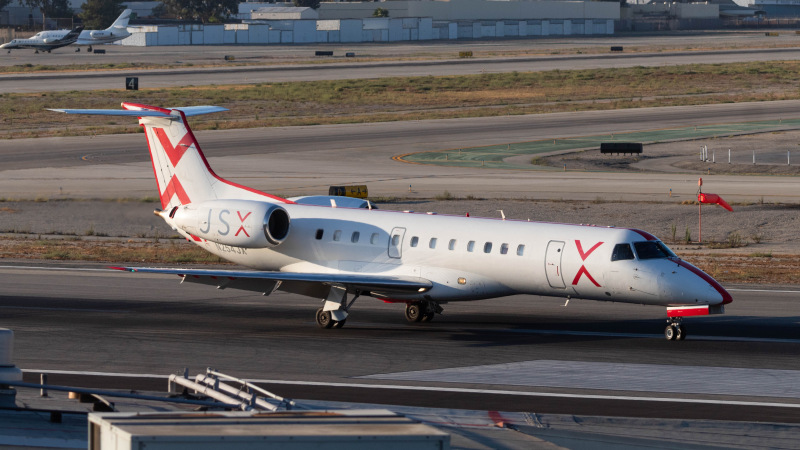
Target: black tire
339,323
413,312
324,319
670,332
681,333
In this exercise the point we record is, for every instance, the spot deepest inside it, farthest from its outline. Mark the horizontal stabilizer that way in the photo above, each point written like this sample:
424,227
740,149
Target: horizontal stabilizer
146,112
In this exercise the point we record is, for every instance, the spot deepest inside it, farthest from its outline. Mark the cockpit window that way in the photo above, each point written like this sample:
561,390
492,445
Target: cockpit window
622,252
652,250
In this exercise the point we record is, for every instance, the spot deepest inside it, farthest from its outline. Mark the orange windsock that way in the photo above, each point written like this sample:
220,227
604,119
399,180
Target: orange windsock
713,198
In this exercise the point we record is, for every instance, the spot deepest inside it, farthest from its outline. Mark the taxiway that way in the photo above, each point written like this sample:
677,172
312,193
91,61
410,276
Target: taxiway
306,160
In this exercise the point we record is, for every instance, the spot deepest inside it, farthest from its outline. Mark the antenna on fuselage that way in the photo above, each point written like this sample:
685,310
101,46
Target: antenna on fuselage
502,214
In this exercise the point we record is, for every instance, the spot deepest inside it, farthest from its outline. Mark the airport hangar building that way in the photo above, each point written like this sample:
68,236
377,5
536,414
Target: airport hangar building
408,21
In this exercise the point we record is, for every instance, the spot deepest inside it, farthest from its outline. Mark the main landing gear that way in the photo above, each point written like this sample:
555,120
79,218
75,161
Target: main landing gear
333,313
422,311
675,331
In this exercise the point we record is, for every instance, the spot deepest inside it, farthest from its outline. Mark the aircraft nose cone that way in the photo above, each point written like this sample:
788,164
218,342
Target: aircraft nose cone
698,287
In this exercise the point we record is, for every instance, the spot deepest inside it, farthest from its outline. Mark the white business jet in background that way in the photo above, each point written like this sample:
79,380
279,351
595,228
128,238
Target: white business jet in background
46,40
420,260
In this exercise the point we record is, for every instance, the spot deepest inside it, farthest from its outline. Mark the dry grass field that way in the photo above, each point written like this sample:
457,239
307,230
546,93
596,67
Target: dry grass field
416,98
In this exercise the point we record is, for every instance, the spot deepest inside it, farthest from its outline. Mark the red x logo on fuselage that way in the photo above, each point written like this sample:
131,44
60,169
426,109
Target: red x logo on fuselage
582,271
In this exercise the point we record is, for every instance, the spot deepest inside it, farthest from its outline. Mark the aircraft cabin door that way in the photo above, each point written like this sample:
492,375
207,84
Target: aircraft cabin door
552,264
396,242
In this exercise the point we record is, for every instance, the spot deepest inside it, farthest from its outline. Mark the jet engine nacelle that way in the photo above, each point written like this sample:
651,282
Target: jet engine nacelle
238,223
100,34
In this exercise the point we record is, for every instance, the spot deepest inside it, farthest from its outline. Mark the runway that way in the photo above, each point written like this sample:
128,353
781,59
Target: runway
161,78
479,355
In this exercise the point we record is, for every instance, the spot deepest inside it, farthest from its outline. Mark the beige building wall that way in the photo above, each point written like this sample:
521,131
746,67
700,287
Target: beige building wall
475,10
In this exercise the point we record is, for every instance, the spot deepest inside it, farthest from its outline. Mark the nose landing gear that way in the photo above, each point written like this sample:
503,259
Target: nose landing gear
675,331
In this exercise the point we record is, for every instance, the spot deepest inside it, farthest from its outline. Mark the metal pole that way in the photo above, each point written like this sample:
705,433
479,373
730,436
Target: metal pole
43,382
244,396
209,392
729,156
714,156
788,157
700,227
754,157
121,394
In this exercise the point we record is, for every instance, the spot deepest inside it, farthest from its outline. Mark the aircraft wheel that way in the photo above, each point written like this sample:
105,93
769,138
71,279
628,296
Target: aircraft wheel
681,333
670,332
427,317
324,319
413,312
339,323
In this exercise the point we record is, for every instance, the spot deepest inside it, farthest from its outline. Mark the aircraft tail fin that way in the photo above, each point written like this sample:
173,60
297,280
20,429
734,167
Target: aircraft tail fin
181,170
122,20
72,36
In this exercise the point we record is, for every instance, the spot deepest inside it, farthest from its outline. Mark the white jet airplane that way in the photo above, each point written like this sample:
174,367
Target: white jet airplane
420,260
44,41
41,40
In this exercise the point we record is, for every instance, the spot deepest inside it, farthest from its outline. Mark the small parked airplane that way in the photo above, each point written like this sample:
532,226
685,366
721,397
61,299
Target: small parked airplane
118,30
44,41
420,260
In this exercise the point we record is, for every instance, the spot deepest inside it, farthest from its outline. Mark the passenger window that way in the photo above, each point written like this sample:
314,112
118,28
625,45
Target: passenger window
487,247
374,239
470,246
414,241
320,232
355,236
520,249
396,240
337,235
432,244
452,244
622,252
504,249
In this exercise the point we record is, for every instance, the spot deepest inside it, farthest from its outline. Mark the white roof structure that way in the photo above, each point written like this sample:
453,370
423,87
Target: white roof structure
285,13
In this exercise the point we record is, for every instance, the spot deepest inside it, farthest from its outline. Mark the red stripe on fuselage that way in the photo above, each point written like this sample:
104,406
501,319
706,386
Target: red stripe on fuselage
211,171
644,234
